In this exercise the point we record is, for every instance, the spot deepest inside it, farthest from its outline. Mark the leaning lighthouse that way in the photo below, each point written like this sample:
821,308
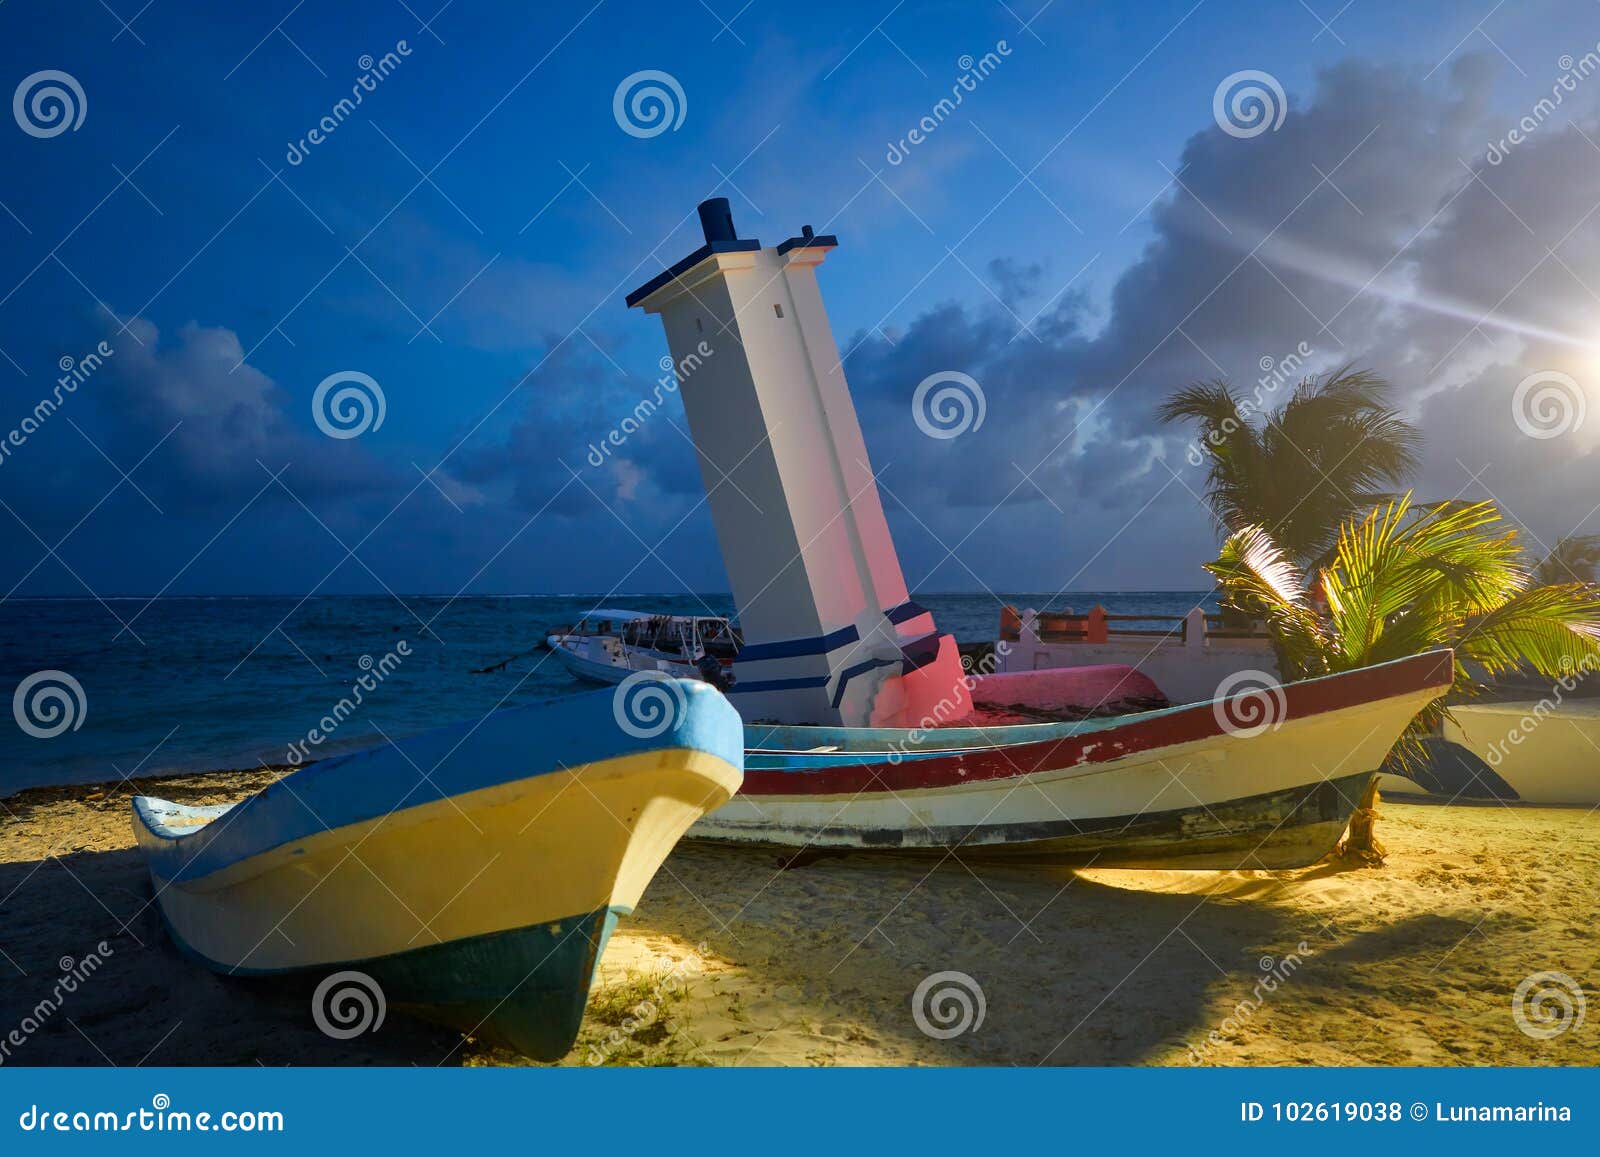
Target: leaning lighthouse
831,635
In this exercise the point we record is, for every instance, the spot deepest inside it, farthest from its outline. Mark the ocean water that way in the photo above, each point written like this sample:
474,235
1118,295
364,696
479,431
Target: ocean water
196,684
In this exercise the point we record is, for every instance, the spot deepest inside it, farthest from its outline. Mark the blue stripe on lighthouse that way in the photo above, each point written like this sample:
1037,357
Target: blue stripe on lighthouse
789,648
906,610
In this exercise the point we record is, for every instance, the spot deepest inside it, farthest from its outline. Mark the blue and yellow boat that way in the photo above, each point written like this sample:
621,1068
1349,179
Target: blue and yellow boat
473,873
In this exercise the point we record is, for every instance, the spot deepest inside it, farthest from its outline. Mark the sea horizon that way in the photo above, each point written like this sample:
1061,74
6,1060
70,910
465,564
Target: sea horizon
197,683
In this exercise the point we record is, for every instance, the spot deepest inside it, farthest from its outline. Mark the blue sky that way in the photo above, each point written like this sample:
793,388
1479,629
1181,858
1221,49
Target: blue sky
466,237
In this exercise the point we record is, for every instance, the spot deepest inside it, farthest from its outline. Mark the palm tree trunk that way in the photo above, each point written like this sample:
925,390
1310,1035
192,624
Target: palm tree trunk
1360,843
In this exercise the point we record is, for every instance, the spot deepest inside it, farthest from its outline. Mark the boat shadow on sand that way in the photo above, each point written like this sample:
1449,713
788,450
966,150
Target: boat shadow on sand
1075,967
144,1002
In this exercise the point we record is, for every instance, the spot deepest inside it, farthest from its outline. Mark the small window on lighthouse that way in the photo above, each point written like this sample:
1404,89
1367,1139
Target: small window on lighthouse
777,309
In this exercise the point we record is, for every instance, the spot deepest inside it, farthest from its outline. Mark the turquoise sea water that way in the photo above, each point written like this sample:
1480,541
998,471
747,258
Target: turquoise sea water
205,683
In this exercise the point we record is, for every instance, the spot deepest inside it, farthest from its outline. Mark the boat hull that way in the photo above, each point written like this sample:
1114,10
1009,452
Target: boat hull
594,671
485,908
1175,788
1528,752
588,670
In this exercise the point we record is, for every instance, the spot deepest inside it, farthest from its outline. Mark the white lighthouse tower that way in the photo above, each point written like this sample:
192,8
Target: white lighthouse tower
830,633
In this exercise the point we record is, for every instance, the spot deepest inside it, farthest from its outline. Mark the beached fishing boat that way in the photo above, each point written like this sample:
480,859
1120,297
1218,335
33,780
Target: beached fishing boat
473,872
1532,752
606,646
1264,780
848,683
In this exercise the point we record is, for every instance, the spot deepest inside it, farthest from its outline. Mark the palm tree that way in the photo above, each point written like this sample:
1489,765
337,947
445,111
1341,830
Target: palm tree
1334,449
1575,558
1401,580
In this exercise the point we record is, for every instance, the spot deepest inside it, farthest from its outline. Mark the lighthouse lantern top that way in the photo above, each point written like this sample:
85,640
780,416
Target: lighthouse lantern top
716,223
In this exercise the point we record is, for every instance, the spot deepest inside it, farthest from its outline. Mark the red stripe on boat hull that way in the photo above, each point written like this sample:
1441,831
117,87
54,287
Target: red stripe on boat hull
1198,722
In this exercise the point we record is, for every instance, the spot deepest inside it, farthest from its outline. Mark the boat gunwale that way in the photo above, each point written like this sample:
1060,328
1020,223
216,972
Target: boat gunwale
1107,741
268,824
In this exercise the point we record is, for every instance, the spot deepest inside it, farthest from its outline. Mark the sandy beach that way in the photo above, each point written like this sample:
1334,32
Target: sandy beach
735,959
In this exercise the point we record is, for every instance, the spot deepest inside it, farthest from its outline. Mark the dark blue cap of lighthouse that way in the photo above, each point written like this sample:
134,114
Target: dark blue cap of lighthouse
716,222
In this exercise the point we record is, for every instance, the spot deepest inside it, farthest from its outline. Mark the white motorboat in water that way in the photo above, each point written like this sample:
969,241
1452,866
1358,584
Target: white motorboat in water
607,645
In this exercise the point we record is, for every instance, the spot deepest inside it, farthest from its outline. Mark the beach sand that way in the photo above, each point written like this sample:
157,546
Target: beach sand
732,959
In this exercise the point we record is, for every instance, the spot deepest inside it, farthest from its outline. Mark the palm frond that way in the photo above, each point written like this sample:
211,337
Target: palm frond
1574,558
1553,629
1258,579
1333,449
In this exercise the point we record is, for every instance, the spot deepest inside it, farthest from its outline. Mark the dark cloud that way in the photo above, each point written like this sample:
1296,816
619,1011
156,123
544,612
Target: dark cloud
190,421
1369,227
